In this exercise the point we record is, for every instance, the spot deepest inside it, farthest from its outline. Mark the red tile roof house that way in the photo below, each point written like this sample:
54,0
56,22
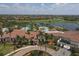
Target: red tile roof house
11,36
70,36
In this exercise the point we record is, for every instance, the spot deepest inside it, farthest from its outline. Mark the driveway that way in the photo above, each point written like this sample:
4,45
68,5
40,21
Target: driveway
24,50
63,52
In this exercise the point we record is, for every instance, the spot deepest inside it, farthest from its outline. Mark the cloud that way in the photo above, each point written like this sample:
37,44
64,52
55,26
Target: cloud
15,6
42,4
60,4
18,6
3,6
39,8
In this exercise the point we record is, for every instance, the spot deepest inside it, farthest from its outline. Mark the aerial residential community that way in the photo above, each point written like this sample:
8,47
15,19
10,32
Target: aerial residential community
39,35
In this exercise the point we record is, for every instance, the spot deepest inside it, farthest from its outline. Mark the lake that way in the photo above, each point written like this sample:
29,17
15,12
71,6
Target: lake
69,26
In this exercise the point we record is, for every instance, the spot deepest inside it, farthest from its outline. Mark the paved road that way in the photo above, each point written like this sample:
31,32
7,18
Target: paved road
24,50
63,52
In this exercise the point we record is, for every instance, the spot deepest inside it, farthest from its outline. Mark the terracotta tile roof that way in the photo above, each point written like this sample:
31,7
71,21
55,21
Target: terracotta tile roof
20,33
32,35
71,35
17,32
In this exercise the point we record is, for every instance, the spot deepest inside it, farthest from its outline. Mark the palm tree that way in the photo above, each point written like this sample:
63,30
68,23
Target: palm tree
14,43
1,33
46,40
42,38
18,42
2,40
10,30
47,37
29,40
24,41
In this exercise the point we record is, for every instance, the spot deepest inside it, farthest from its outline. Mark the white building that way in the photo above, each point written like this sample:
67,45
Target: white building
44,29
25,29
63,44
54,32
5,29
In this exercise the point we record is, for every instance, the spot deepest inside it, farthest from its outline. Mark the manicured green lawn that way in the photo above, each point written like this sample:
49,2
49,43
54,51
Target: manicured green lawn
25,22
48,20
6,49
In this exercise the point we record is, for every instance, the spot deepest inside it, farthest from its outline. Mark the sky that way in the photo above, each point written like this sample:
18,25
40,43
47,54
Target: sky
40,8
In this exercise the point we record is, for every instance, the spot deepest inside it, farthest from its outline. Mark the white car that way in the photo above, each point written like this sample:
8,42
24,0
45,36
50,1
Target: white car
67,46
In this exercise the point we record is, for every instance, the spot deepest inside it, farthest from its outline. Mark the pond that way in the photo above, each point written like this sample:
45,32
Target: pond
69,25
